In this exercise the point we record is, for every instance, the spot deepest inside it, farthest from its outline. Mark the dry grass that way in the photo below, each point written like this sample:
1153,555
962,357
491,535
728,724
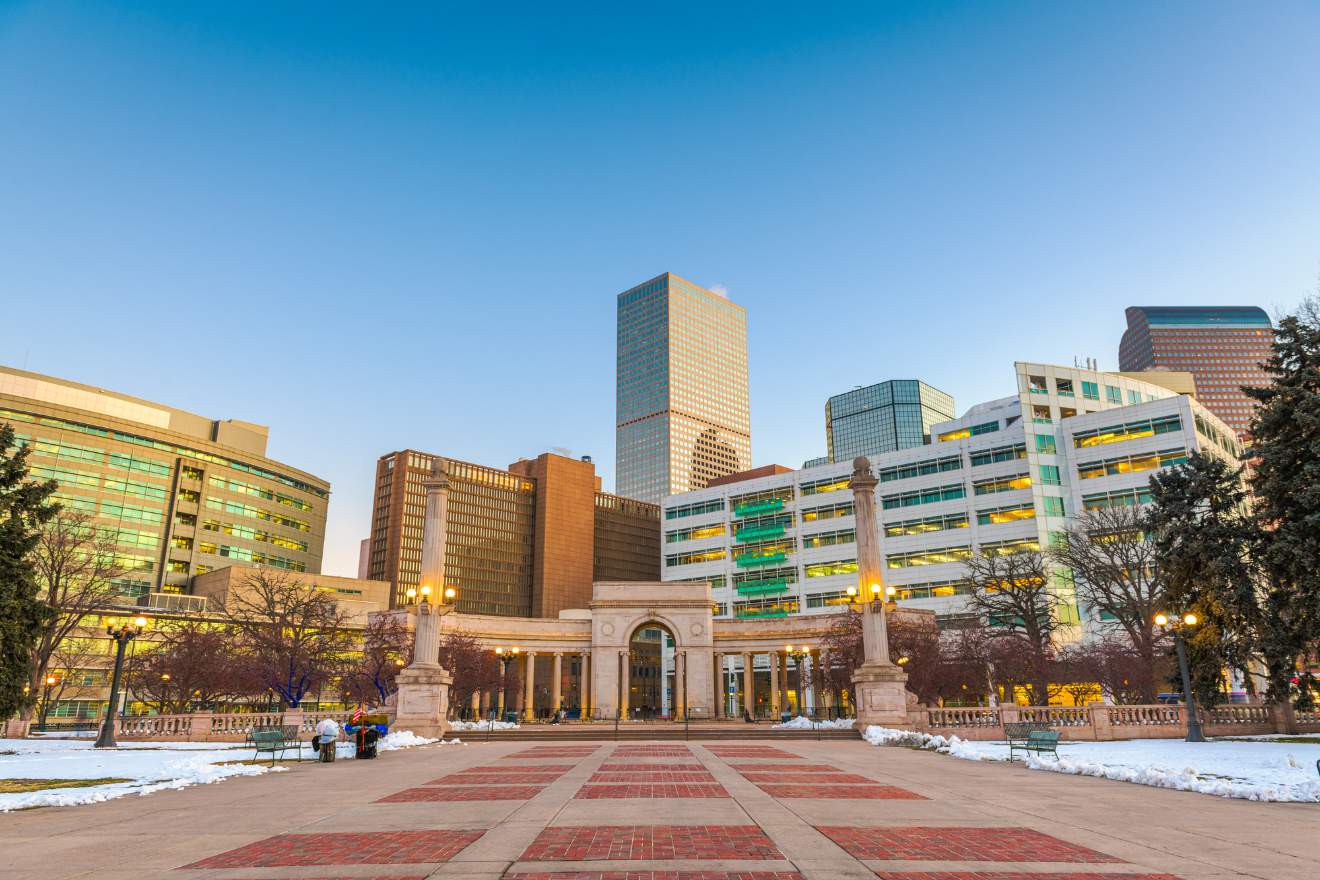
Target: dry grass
19,786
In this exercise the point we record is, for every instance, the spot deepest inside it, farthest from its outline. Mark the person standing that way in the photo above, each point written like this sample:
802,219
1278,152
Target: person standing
327,738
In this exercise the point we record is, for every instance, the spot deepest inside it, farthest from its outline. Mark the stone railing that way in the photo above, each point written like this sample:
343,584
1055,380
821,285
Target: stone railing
1101,722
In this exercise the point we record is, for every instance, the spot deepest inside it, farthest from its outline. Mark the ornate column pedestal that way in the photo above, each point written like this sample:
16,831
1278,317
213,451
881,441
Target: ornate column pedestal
422,703
879,687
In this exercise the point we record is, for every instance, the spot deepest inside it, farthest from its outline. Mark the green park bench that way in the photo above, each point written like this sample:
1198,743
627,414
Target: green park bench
1031,739
275,740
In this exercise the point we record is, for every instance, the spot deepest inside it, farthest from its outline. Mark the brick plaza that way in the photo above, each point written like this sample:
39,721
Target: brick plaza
800,810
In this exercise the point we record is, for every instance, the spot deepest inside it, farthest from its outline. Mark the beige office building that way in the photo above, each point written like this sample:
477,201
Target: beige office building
179,494
682,415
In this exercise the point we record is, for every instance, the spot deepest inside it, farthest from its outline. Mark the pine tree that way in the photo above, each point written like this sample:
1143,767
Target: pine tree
1285,480
1206,544
24,507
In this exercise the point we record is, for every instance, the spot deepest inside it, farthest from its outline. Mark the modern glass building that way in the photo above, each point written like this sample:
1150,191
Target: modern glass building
1008,474
1221,346
682,416
883,417
177,493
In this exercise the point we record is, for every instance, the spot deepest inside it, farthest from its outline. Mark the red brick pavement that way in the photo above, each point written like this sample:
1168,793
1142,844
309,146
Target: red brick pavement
636,752
576,843
656,875
848,792
1014,875
791,768
750,752
654,776
651,768
652,790
510,777
344,848
441,794
813,778
553,752
521,768
959,844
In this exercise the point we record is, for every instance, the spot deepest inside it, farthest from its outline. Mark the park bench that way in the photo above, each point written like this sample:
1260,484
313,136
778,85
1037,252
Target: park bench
1028,737
275,740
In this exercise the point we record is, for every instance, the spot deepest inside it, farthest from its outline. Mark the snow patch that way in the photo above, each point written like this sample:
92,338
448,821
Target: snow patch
804,723
1258,770
484,724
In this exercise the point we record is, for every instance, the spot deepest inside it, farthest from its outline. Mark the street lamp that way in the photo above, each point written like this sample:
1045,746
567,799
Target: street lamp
505,658
1176,626
122,635
51,681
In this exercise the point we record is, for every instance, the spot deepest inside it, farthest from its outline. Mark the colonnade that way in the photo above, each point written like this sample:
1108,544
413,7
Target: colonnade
795,683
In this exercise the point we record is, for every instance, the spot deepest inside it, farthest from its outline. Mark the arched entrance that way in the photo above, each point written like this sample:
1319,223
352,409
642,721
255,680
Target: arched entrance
651,670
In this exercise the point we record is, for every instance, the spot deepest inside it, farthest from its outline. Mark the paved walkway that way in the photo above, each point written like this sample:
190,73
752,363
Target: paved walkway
752,810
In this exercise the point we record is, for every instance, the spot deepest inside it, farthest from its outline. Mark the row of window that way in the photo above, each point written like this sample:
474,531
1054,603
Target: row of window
1129,464
827,539
972,431
241,509
251,534
242,488
695,533
950,492
925,525
999,453
995,485
1127,431
920,468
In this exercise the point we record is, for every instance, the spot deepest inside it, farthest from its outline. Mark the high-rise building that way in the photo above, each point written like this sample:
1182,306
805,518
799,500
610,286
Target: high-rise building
1008,474
883,418
523,542
682,416
179,494
1221,346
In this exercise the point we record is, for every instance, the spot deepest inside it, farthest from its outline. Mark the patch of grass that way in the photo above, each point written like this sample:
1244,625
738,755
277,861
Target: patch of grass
19,786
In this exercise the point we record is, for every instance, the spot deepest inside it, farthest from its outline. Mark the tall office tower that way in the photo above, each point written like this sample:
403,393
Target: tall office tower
178,494
523,542
1221,346
883,418
682,417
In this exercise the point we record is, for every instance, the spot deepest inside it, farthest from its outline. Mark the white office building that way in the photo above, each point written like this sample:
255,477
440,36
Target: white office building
1003,476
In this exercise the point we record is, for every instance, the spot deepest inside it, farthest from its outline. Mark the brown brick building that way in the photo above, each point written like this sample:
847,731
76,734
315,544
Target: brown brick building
524,542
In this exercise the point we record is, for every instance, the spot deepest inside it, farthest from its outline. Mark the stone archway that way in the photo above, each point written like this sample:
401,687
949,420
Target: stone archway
618,612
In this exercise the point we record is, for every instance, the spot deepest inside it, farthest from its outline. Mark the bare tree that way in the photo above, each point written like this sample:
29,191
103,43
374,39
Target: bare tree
1116,572
192,664
1012,592
76,566
295,637
474,668
386,649
72,662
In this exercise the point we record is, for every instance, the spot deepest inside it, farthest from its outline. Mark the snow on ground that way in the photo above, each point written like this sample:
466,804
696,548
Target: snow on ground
804,723
484,724
1258,770
149,766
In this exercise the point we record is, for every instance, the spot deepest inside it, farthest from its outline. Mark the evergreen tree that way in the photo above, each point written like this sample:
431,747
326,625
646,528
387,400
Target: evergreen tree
1205,545
24,507
1285,480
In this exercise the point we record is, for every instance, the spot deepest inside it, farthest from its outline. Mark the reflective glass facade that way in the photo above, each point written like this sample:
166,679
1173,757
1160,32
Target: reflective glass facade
178,494
682,415
883,418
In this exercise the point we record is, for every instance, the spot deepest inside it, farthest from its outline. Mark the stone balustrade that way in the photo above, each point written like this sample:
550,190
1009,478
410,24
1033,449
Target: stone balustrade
1101,722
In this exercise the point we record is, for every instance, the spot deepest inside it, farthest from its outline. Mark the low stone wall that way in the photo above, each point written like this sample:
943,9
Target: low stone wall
1101,722
217,727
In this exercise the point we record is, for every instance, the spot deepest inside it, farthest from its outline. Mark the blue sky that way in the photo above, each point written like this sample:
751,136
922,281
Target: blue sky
375,227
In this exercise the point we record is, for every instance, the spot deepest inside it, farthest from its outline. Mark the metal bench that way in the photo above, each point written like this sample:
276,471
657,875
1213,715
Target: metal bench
1039,741
275,740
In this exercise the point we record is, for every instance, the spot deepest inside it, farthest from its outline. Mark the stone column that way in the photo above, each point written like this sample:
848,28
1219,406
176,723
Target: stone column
680,685
625,681
529,686
504,686
719,685
749,686
422,702
774,684
818,680
584,685
879,687
784,683
555,686
476,704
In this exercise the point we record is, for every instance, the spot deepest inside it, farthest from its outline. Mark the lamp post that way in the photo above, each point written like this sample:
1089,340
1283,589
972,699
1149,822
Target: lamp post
505,658
51,681
122,635
1176,625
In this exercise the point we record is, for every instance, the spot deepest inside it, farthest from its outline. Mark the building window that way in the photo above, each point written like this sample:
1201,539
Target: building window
1049,475
1064,387
1113,395
1002,484
1045,444
1001,515
1053,505
1090,390
938,556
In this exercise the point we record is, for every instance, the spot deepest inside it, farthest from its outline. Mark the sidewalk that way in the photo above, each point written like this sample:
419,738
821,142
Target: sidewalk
753,810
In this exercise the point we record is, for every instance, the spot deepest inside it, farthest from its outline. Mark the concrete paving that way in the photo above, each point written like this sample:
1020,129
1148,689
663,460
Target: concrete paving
953,819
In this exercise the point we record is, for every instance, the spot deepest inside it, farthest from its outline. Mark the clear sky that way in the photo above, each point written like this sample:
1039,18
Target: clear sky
374,228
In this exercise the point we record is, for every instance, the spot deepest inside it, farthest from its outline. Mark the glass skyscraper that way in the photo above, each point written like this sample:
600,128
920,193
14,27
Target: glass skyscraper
883,418
1221,346
682,417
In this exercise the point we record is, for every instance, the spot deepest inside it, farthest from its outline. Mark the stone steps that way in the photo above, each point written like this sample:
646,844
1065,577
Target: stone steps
642,732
